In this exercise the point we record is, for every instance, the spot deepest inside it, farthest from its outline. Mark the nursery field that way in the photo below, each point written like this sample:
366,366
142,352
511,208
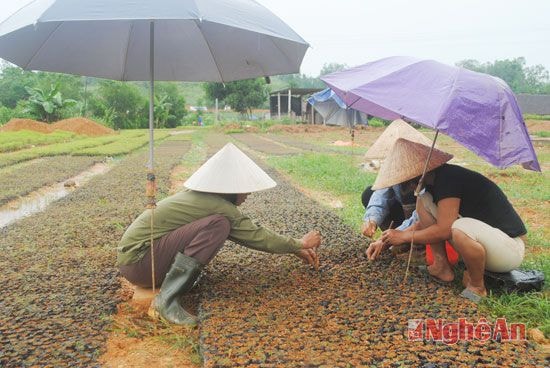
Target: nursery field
64,303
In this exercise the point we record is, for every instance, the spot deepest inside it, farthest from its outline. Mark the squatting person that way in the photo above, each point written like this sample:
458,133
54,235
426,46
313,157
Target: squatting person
458,205
191,226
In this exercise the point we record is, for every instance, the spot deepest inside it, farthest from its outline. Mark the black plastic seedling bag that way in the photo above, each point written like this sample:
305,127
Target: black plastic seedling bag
520,281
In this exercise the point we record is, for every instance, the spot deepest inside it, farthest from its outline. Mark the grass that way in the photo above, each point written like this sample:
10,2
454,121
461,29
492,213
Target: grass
13,141
338,175
543,134
121,146
536,117
533,308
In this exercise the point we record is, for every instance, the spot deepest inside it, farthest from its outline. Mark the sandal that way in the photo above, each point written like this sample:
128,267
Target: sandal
471,296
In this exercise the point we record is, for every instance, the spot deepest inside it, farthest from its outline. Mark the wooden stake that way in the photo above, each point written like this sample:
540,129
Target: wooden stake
410,256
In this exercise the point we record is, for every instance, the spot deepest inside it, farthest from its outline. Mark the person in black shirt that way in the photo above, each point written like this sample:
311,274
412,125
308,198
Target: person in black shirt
458,205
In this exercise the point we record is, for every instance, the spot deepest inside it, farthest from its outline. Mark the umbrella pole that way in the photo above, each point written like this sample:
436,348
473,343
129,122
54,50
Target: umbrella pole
151,93
421,181
151,187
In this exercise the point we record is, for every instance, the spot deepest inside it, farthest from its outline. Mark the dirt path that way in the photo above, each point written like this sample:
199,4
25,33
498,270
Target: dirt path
59,284
264,145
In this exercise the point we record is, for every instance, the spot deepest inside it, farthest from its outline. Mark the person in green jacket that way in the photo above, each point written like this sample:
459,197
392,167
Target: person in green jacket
191,226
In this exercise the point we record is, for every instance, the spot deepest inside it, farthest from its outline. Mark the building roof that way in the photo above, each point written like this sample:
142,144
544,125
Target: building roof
296,91
534,104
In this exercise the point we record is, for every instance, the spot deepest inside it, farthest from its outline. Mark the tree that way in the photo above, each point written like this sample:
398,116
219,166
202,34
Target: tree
47,105
520,78
295,81
13,85
162,111
123,102
332,67
537,78
215,91
172,95
241,95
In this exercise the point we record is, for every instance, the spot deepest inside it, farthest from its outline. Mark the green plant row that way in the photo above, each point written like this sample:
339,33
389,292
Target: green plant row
13,141
536,117
20,180
120,147
111,145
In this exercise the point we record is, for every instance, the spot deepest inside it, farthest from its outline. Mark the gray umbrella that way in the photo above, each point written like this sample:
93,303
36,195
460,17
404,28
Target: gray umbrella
138,40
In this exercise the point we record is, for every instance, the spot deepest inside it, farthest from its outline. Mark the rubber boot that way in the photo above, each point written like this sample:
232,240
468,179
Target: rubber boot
180,278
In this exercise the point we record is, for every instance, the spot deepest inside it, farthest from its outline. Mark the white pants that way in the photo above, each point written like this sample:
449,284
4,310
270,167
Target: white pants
502,253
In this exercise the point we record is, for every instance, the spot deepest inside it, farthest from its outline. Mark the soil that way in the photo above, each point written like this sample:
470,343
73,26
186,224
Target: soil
26,124
264,145
302,128
63,284
534,126
131,345
82,126
65,304
268,310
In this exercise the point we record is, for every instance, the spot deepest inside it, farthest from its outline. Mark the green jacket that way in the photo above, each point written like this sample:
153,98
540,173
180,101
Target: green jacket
187,206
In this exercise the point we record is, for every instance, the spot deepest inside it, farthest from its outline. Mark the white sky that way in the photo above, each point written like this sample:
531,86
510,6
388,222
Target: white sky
354,32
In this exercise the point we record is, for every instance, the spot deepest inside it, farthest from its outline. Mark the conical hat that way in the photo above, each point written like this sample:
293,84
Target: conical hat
229,171
406,161
397,129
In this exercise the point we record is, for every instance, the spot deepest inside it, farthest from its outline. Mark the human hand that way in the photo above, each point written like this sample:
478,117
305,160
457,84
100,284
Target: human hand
309,256
393,237
374,250
311,240
369,228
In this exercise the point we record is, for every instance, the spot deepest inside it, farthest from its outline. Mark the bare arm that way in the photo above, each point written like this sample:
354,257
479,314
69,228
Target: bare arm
447,210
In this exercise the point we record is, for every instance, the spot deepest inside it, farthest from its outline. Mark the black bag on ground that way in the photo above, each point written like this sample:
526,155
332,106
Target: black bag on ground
520,281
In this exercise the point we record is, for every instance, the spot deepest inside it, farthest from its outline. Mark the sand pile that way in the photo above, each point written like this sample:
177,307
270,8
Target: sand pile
82,126
26,124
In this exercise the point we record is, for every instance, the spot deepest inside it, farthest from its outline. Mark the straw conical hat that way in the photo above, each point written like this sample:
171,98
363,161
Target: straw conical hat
406,161
229,171
397,129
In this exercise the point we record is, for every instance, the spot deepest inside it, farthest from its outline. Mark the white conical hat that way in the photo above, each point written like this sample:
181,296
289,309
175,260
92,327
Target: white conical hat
397,129
406,161
229,171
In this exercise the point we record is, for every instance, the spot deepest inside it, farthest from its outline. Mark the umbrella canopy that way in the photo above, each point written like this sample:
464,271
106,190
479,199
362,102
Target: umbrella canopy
477,110
333,109
194,40
184,40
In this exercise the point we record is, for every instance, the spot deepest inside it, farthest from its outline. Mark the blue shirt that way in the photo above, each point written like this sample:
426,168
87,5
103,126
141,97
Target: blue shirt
379,206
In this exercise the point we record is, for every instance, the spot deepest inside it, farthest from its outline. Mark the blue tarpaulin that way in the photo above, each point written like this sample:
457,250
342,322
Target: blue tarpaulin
333,110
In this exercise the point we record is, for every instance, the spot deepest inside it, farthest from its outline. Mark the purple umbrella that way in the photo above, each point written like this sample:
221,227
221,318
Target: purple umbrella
477,110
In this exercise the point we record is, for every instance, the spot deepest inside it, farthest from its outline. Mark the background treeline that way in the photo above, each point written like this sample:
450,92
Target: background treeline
124,105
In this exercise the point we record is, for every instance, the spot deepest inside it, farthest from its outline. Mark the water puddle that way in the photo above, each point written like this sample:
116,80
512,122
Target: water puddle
38,200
